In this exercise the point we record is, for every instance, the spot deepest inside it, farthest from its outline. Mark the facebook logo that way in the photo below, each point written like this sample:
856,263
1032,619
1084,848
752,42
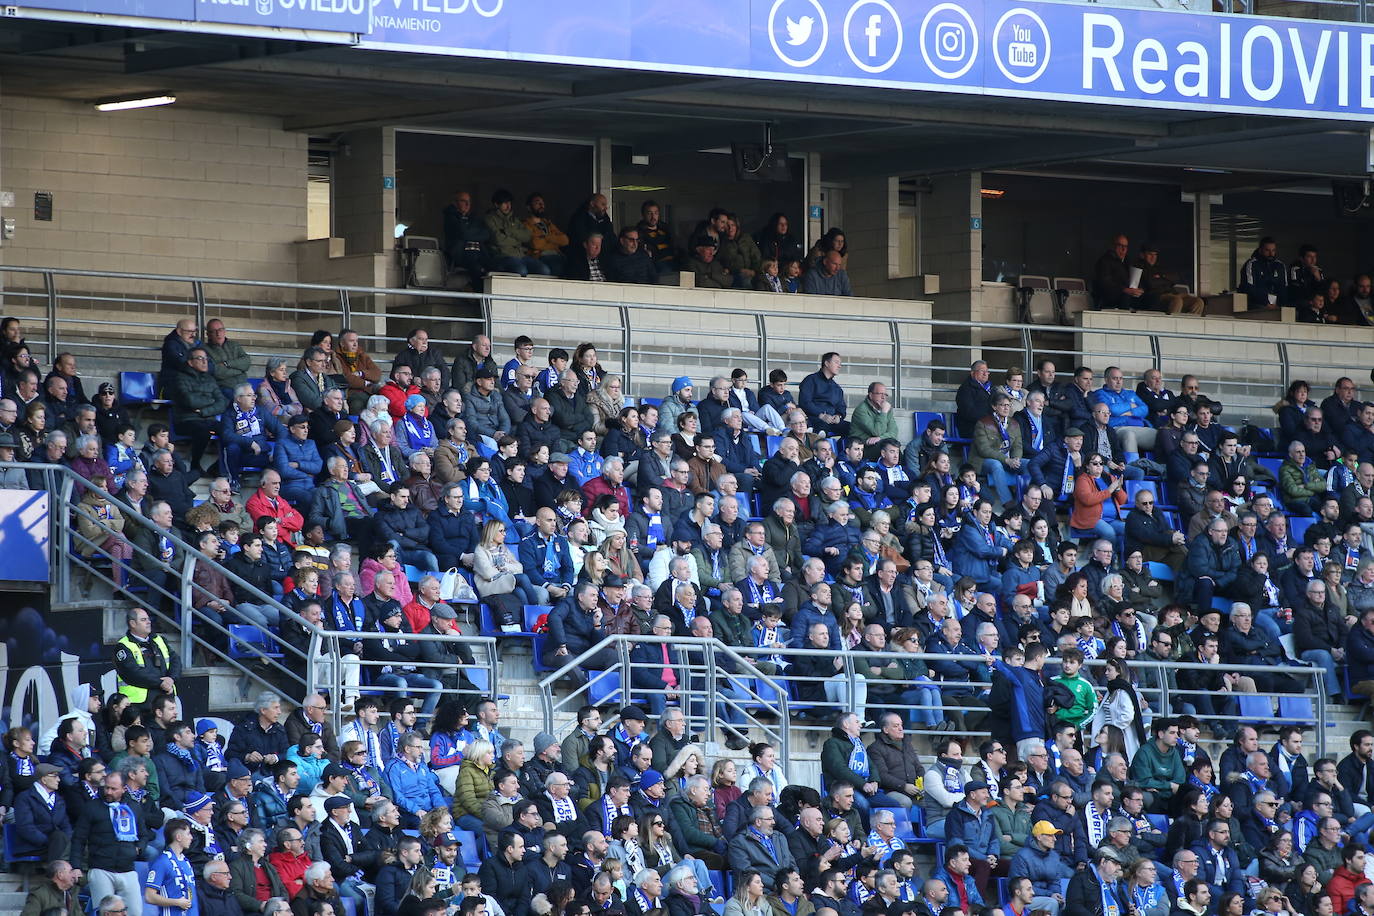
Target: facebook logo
873,35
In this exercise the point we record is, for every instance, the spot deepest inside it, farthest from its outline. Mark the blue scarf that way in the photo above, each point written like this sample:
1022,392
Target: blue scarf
1110,905
182,754
1207,788
766,841
858,758
125,826
23,766
214,756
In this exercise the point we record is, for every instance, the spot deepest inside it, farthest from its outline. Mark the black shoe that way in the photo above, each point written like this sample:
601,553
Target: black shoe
736,742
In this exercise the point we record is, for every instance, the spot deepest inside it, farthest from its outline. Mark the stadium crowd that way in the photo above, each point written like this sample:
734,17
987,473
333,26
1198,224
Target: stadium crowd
718,253
1048,559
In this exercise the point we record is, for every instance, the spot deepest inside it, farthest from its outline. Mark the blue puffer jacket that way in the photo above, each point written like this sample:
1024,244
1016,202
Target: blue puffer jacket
1045,868
844,538
305,454
979,834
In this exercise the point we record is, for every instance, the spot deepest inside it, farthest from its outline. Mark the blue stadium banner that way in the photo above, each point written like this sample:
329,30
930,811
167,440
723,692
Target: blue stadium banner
1075,52
1057,51
24,555
318,15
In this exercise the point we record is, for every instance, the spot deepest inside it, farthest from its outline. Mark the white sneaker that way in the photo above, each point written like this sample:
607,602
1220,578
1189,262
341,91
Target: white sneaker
510,628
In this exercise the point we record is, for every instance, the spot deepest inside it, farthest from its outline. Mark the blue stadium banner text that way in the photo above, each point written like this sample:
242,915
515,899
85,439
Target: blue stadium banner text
24,535
1058,51
316,15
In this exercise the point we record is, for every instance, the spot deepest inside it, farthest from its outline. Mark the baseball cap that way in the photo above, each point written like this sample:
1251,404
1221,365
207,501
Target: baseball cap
1045,828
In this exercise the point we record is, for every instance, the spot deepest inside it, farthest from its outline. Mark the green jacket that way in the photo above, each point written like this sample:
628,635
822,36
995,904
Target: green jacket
194,394
835,762
1085,699
987,442
709,276
232,363
1013,827
1300,484
474,785
868,423
732,629
739,254
45,896
1153,770
509,237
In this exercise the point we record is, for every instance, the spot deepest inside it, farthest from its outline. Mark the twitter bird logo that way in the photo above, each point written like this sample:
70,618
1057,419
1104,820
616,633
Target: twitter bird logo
799,30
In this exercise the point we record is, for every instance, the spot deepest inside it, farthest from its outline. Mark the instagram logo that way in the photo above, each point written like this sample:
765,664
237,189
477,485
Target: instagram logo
951,41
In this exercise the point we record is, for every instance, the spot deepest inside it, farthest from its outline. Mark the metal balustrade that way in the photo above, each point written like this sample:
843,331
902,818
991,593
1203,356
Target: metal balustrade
770,703
78,563
923,360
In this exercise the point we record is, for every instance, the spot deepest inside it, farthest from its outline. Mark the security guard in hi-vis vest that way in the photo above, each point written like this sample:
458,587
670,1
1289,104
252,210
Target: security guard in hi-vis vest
144,663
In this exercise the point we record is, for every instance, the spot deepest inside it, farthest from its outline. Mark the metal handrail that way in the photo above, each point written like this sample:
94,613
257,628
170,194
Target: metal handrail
778,683
192,623
933,379
709,647
319,637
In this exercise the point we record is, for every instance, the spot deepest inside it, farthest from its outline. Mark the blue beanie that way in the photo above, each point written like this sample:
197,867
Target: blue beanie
680,383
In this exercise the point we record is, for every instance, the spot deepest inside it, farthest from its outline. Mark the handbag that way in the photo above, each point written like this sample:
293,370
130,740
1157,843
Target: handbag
455,589
888,552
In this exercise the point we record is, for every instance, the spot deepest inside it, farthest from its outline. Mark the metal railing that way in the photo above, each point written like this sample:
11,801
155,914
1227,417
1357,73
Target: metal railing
170,595
483,674
923,360
708,693
777,695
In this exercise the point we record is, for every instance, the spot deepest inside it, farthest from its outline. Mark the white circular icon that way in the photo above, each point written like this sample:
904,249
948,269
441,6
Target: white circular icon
799,33
1022,52
956,42
872,32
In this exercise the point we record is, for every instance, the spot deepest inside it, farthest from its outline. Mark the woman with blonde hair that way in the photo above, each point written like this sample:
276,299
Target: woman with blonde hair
474,785
606,402
496,568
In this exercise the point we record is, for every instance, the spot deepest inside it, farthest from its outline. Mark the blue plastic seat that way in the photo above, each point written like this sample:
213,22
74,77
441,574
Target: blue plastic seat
138,388
470,855
603,687
1160,571
11,855
243,633
1298,525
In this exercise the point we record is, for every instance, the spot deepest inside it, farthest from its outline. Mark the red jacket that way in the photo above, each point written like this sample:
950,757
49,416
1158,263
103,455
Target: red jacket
1342,888
393,393
1088,500
289,521
292,870
600,486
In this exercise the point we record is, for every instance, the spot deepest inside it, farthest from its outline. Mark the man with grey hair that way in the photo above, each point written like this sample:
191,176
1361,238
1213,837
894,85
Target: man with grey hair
736,450
754,544
759,848
213,892
611,482
381,458
339,506
112,905
319,885
326,417
570,411
246,434
835,539
696,827
260,740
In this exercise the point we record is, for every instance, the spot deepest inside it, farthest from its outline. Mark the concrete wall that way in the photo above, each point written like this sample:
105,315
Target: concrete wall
162,190
1238,361
702,332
